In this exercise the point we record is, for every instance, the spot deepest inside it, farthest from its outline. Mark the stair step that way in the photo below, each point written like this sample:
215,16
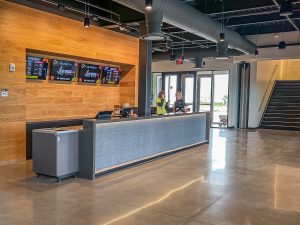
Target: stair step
281,123
283,109
295,128
281,119
287,83
280,127
288,111
285,100
279,94
285,97
283,115
284,103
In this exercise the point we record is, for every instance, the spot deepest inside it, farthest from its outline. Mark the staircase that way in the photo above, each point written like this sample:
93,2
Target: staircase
283,109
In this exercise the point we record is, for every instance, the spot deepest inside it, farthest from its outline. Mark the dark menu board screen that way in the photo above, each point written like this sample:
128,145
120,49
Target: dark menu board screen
36,67
63,70
89,73
110,75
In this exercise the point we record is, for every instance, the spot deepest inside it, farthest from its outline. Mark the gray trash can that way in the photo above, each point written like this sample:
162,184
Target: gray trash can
55,152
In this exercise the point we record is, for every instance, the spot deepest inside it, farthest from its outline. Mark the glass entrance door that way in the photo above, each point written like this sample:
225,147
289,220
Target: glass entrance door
170,89
213,95
187,83
205,97
220,98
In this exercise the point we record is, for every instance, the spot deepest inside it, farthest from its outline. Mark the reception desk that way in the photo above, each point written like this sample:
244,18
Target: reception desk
109,145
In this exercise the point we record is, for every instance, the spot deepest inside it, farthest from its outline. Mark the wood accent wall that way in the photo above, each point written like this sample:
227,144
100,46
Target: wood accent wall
24,28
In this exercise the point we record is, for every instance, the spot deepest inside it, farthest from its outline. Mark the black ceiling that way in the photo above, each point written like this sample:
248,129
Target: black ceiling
247,17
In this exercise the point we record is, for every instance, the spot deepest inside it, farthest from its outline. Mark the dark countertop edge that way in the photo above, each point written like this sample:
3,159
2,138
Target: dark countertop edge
145,118
56,120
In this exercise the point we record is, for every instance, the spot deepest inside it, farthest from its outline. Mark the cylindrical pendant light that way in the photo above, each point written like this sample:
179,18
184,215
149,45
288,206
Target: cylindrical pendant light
148,4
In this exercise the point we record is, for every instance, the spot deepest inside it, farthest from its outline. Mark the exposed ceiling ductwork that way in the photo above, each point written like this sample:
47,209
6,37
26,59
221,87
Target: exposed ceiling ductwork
184,16
192,54
154,21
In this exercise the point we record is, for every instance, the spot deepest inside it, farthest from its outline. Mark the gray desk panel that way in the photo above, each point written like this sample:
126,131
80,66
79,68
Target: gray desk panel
122,142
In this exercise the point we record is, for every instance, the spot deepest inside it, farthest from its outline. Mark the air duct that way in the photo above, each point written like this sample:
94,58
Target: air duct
186,17
154,20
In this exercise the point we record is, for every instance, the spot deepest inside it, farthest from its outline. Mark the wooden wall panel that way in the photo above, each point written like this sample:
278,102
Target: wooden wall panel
45,100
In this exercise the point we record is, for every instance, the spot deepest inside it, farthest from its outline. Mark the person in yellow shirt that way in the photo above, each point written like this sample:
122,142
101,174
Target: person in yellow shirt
161,104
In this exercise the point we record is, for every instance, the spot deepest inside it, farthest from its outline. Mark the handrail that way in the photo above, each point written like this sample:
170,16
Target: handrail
268,87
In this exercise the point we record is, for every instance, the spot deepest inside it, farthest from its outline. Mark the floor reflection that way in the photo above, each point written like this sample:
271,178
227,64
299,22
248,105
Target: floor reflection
287,188
218,151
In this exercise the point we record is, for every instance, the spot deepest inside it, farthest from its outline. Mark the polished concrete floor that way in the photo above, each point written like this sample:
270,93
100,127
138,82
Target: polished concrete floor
241,178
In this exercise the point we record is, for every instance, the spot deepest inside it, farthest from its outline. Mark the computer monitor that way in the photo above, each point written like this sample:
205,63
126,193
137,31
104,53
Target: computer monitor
103,115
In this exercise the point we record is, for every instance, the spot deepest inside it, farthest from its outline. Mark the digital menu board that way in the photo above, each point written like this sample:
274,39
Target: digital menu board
36,67
110,75
89,73
62,70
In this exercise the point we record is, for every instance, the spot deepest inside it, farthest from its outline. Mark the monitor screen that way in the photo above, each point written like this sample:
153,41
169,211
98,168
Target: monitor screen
36,67
103,115
89,73
110,75
63,70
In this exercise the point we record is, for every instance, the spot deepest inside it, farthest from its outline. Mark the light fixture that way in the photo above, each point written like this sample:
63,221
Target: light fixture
168,44
222,50
286,8
199,63
256,42
282,44
172,56
148,5
86,22
222,36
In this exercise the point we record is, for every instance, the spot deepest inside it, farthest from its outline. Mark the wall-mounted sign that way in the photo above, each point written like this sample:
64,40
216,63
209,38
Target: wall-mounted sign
110,75
89,73
63,70
36,67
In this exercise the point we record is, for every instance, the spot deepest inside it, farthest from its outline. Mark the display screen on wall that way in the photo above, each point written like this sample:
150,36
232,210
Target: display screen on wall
62,70
89,73
110,75
36,67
